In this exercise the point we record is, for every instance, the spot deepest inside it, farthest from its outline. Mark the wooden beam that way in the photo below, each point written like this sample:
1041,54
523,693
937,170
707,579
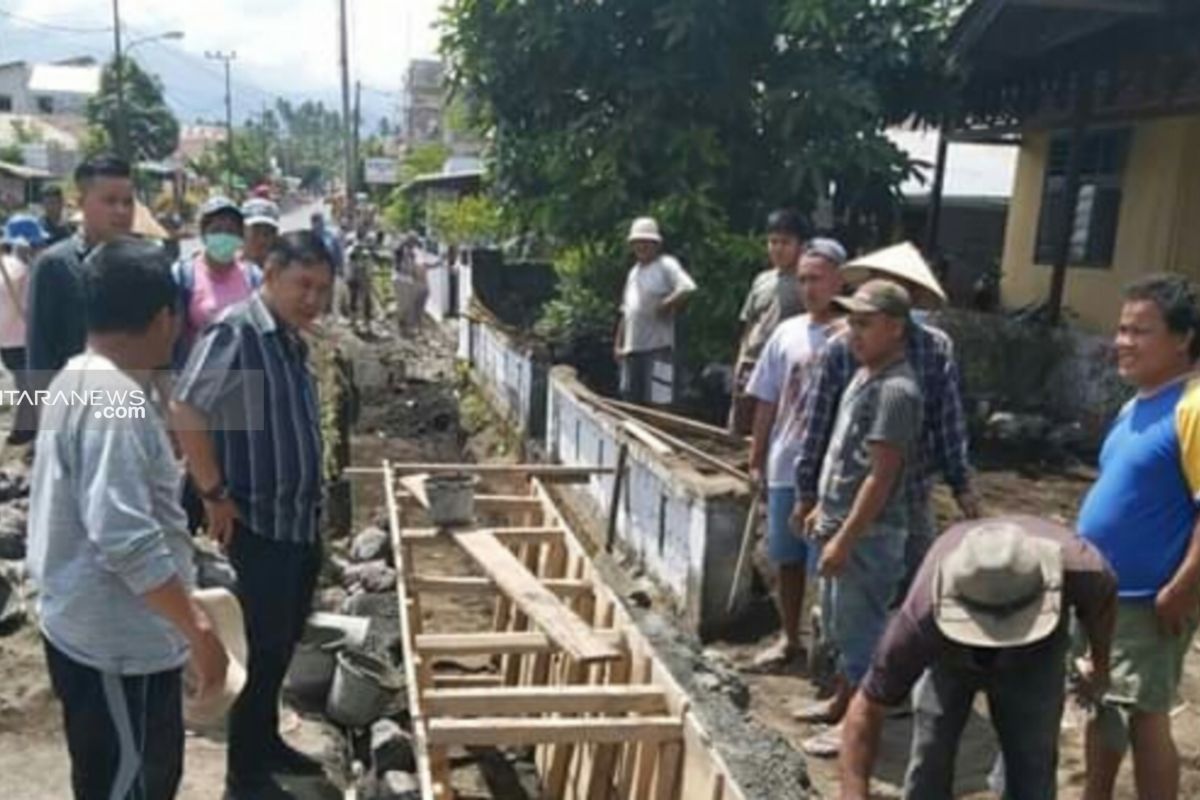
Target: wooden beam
507,732
413,688
464,680
505,642
543,535
530,470
506,502
447,584
638,431
548,612
645,699
681,423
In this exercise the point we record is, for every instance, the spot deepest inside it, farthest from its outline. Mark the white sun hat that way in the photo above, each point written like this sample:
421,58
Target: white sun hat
902,261
207,712
645,229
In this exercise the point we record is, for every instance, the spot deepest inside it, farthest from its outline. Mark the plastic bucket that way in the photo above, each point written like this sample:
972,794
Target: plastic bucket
313,664
362,688
451,499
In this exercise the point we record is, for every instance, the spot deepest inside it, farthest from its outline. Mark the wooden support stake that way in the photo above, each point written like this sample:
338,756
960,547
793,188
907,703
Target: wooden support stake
744,551
614,505
670,755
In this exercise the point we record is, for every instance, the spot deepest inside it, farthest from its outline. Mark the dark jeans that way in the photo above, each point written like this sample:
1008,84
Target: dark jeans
24,421
124,732
275,583
1025,702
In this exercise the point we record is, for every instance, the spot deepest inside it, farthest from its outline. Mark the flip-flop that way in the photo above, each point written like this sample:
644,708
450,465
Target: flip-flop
826,744
775,660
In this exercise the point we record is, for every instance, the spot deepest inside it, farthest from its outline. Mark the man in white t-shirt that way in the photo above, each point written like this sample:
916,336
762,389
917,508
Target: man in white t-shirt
655,290
778,383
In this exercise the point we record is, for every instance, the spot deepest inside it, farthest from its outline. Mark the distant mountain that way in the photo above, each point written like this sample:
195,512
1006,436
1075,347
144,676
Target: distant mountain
195,86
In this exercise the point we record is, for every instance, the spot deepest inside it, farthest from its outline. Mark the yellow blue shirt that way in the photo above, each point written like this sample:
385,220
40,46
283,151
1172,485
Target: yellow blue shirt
1142,509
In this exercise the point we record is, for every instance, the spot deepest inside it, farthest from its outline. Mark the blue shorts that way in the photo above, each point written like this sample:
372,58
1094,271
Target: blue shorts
783,547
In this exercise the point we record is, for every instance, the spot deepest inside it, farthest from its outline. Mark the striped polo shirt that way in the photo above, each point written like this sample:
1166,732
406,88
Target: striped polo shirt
249,374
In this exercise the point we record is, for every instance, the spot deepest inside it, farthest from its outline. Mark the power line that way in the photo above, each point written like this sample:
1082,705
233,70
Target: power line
50,26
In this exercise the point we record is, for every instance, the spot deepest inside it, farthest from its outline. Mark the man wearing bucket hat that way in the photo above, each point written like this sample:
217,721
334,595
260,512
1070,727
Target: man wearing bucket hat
986,613
944,435
1142,513
655,290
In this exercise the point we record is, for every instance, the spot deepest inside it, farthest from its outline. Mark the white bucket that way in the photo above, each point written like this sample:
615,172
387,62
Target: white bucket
451,499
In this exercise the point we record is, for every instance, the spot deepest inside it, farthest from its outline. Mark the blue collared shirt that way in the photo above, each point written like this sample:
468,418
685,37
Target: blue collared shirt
944,432
249,374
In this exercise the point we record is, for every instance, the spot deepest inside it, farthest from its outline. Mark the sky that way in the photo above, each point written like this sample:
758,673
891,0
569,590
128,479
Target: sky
287,47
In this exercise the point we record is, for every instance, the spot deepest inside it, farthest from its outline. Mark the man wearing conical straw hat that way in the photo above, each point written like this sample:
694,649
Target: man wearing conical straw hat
943,439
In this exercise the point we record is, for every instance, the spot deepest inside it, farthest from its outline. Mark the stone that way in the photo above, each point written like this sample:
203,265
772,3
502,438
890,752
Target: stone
370,544
397,785
331,598
391,748
12,605
13,523
373,576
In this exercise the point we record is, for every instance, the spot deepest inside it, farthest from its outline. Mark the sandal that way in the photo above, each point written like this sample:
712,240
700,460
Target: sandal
826,744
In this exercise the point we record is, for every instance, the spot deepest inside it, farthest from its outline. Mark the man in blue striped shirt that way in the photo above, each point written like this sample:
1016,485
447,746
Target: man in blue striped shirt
246,413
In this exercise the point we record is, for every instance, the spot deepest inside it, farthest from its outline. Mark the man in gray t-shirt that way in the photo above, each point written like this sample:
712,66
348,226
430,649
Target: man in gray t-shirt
862,516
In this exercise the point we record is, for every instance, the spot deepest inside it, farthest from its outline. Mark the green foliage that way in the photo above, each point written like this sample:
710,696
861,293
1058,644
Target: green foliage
399,214
152,129
471,221
307,140
12,154
423,159
705,113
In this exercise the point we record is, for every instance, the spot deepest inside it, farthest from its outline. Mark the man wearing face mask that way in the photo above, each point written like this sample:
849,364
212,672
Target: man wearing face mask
215,277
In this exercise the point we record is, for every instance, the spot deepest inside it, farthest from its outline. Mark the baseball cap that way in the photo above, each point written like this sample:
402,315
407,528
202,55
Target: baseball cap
829,249
877,297
219,204
259,211
1001,586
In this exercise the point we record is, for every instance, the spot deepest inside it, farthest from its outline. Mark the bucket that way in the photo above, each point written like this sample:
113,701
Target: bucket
362,688
451,499
311,672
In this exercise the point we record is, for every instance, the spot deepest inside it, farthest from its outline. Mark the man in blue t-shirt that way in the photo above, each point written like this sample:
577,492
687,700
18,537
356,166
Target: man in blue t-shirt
1142,515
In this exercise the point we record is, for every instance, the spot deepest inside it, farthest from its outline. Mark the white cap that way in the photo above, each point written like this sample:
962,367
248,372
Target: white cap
644,229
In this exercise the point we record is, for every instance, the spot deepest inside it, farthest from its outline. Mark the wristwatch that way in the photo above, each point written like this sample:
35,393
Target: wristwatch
214,495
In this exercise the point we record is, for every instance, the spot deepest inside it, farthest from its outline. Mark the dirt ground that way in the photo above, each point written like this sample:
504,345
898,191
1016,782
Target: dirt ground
1056,495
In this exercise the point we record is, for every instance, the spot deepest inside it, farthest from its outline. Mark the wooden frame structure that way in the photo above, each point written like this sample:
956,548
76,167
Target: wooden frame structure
573,676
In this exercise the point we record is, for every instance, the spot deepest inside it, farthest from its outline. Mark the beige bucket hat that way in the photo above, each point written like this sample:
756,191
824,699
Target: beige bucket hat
208,712
1001,586
645,229
899,261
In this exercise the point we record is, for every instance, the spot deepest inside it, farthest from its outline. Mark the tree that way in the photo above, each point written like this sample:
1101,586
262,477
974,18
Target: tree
704,113
310,141
152,129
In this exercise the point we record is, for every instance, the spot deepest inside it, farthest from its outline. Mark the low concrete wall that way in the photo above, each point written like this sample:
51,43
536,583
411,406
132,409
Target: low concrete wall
513,378
438,305
683,527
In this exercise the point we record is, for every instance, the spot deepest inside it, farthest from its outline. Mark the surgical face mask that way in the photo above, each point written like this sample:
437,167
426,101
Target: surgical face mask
222,247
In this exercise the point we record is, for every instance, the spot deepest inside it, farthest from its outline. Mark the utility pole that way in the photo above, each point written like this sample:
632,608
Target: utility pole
121,127
347,125
226,59
357,123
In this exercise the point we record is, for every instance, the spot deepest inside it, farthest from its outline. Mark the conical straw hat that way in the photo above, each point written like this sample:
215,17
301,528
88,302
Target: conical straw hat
208,712
899,261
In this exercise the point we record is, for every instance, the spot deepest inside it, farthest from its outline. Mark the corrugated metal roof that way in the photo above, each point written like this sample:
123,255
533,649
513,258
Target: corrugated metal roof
65,79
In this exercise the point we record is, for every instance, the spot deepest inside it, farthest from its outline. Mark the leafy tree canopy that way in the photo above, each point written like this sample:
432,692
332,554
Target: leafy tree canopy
152,129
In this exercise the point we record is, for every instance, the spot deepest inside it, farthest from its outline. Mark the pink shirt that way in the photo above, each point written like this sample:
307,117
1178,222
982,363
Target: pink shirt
214,292
12,320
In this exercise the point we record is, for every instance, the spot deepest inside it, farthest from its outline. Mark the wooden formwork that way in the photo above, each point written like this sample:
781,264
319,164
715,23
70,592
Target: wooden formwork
573,677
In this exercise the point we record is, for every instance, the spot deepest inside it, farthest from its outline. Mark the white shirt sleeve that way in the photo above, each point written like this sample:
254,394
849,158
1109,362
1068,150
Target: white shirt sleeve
766,380
680,280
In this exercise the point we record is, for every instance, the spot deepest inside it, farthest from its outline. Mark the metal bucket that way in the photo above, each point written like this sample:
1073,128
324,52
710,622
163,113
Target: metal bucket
362,688
313,664
451,499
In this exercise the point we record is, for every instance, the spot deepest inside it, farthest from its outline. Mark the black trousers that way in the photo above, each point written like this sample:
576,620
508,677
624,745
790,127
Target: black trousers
124,732
275,584
24,420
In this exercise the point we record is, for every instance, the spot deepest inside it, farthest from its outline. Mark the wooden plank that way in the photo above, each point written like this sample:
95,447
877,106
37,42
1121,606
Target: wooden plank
507,535
453,584
547,611
452,680
509,732
635,430
583,699
531,470
413,688
669,757
681,423
506,502
477,644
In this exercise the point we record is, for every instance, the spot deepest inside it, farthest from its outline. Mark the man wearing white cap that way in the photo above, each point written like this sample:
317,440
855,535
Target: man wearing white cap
262,228
931,353
655,291
985,614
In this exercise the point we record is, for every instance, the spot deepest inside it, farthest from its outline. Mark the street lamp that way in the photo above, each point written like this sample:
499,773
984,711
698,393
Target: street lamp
122,126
